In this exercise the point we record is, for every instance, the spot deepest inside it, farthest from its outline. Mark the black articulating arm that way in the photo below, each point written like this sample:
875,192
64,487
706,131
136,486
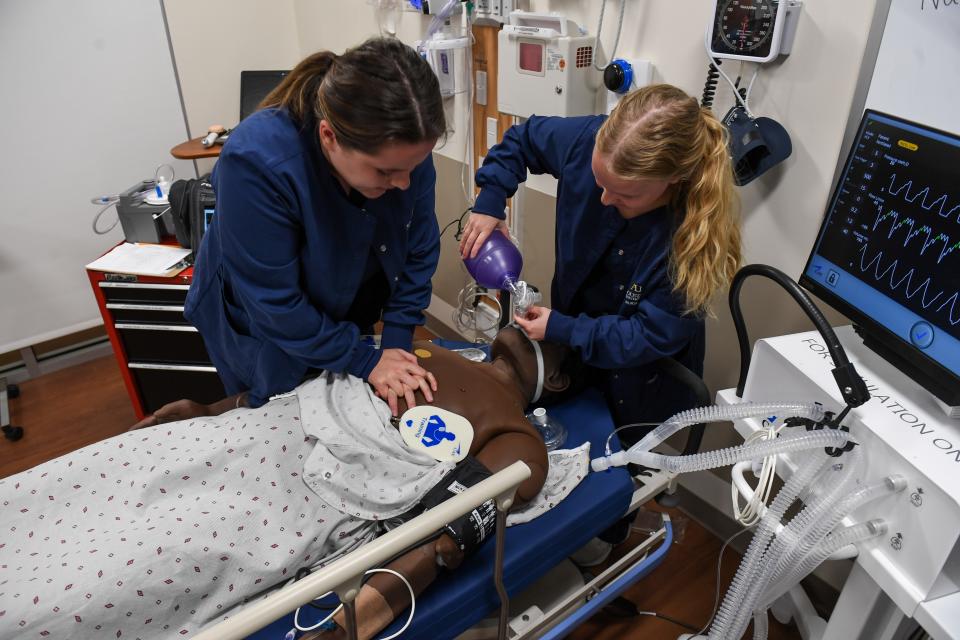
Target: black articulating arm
852,387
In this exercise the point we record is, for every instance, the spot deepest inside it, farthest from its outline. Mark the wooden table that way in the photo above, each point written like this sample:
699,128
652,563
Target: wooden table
194,149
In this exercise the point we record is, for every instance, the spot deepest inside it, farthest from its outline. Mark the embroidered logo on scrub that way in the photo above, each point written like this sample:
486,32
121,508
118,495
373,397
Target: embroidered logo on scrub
633,294
441,434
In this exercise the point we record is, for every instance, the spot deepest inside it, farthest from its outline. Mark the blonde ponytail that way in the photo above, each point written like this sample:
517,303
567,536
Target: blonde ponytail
706,246
659,132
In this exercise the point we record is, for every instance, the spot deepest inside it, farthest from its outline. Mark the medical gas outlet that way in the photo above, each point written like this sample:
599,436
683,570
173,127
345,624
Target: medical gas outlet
623,75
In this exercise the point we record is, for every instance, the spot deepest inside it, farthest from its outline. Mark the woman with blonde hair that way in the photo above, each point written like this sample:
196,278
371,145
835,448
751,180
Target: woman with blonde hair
647,231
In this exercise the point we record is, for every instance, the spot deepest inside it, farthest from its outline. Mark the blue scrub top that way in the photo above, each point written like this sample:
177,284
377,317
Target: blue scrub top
613,299
285,257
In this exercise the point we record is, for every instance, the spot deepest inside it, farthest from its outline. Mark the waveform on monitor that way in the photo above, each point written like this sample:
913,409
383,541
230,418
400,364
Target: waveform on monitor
916,287
922,194
924,232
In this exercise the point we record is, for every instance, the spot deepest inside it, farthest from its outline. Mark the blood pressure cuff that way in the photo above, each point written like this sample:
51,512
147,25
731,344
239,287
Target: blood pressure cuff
469,530
756,144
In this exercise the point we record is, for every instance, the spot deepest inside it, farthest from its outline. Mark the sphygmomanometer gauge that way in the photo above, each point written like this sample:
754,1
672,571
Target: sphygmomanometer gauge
747,29
745,25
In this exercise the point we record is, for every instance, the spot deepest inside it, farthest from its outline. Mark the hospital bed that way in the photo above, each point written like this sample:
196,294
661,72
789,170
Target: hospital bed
505,566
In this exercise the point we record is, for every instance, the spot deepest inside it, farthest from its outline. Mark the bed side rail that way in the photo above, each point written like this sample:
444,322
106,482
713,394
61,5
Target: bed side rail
344,576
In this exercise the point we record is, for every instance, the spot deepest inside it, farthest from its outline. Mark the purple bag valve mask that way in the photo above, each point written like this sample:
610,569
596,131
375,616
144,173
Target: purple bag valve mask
497,264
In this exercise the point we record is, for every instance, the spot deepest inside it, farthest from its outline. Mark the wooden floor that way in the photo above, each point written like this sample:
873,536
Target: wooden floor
683,587
74,407
64,411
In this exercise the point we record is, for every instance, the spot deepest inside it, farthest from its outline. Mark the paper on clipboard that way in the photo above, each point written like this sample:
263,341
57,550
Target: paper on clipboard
143,260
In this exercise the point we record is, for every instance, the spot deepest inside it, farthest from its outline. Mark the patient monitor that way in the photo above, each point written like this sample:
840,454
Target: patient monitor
886,255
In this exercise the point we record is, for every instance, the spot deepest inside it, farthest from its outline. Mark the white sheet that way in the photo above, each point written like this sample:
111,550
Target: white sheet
153,533
361,464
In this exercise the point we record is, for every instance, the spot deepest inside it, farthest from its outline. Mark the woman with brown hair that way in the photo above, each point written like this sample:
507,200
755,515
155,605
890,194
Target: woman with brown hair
647,232
325,225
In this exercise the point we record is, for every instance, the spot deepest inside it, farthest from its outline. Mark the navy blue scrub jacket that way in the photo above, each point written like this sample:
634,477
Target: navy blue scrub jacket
612,298
284,258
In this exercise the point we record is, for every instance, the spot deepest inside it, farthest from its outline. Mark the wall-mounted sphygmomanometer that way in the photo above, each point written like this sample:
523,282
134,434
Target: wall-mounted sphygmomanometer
750,31
753,30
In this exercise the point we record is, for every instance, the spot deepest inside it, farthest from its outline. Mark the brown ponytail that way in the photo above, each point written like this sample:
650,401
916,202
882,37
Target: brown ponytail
297,92
379,92
659,132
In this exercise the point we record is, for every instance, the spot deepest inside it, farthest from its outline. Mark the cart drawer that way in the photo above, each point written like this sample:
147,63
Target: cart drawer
126,312
176,344
144,293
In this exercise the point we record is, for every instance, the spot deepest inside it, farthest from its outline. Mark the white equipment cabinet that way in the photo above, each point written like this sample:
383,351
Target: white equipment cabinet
913,571
545,67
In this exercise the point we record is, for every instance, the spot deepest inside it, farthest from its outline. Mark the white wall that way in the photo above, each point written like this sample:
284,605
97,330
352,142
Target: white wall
273,35
919,51
90,107
214,40
336,26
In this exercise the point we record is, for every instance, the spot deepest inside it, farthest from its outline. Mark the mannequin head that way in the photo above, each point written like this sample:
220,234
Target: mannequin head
514,349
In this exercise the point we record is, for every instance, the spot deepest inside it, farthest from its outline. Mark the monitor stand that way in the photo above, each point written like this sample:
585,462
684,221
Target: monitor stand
946,397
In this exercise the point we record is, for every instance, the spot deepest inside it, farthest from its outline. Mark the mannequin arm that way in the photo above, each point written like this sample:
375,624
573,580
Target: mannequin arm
384,597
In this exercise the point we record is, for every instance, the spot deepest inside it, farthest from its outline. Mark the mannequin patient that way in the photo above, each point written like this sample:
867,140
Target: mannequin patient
163,530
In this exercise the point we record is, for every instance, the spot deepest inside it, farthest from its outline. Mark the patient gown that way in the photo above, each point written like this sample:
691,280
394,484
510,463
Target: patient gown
159,532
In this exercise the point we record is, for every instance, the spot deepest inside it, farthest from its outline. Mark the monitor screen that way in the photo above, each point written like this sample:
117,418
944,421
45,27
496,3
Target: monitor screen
254,87
207,218
888,251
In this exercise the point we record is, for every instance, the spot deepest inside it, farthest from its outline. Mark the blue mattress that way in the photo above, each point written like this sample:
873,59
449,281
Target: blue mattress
458,599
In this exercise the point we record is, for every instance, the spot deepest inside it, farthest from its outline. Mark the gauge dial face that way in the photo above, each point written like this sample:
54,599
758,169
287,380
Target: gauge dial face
745,26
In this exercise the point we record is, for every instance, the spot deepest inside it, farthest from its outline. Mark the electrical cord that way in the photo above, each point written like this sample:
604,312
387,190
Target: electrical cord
744,90
413,607
756,72
679,623
616,42
740,99
96,219
112,199
710,84
459,222
305,571
751,513
716,598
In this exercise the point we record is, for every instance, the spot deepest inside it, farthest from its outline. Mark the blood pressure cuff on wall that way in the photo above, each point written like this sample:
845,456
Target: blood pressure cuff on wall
470,530
756,144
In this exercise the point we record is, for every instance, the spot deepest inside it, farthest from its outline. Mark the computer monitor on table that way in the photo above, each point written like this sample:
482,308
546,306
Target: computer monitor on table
255,86
888,251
